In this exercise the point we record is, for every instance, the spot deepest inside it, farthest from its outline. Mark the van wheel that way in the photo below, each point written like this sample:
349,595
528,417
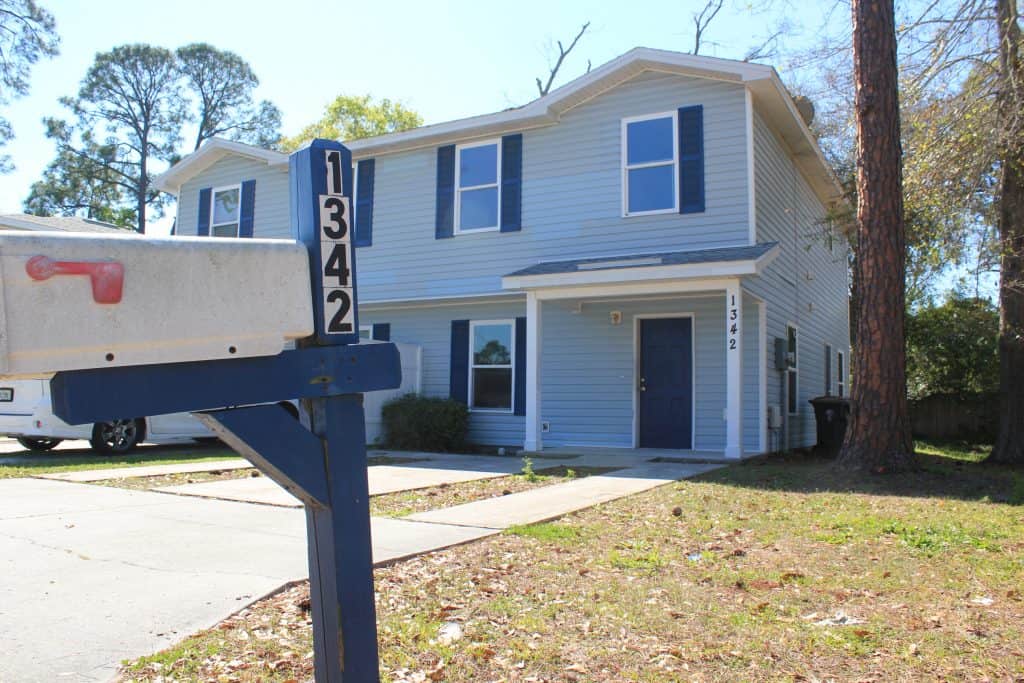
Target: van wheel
117,436
38,443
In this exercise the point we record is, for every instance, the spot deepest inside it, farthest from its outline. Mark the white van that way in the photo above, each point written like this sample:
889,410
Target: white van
26,414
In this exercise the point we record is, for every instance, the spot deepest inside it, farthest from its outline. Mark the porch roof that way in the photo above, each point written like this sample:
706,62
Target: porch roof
703,263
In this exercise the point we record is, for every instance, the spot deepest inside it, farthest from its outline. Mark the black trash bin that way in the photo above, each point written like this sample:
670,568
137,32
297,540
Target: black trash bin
831,413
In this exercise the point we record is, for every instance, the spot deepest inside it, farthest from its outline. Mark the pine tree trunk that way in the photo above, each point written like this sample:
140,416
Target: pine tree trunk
1009,447
878,435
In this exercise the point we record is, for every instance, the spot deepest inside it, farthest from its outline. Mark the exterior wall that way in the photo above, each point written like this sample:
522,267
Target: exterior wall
805,285
571,198
272,217
587,367
588,364
430,328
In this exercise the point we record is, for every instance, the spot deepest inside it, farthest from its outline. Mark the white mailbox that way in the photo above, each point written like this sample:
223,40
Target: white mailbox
76,301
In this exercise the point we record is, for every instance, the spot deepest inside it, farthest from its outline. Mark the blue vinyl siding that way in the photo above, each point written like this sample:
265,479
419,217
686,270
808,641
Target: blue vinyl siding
587,367
571,197
430,327
270,217
806,285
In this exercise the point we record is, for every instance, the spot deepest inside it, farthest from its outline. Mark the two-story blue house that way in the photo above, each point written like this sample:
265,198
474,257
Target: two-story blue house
609,265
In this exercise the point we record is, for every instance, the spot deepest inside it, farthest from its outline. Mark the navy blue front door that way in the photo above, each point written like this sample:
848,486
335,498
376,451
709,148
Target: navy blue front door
665,388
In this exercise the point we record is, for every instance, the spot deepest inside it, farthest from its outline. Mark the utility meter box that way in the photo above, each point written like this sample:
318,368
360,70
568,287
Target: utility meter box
78,301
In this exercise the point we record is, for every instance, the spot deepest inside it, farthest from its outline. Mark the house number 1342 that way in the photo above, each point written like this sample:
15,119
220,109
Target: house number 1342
734,323
336,251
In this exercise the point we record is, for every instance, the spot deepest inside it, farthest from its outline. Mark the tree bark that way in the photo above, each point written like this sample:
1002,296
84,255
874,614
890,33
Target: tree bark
1009,446
878,435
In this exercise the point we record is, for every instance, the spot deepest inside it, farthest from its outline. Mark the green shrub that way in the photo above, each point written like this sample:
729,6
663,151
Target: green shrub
414,422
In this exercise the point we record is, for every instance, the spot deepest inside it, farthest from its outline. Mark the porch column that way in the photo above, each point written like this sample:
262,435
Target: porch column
733,370
533,441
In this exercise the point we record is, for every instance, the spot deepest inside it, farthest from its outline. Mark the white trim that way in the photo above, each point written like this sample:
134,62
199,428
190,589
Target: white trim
368,329
534,440
795,370
511,322
450,300
734,371
631,289
713,269
212,151
625,168
751,175
458,189
637,317
762,378
827,352
213,202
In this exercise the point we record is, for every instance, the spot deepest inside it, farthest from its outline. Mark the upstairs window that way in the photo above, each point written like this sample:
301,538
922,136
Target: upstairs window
225,211
491,364
650,170
477,179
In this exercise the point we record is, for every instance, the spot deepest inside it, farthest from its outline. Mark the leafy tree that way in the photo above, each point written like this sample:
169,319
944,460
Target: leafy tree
952,348
129,112
223,84
27,33
76,185
878,436
351,117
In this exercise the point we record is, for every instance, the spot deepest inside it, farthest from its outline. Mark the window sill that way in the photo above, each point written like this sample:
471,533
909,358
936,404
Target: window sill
473,231
491,411
656,212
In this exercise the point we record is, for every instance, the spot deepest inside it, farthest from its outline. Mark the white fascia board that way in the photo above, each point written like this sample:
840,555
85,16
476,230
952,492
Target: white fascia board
634,289
211,152
688,271
545,110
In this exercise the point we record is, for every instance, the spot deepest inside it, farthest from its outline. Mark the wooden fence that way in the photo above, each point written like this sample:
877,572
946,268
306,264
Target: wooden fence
955,417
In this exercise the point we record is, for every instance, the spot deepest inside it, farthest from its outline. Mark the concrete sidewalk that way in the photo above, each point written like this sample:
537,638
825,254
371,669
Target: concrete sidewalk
430,469
84,476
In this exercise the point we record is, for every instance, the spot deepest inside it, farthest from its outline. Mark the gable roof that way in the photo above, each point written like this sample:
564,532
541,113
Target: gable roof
766,88
212,151
25,221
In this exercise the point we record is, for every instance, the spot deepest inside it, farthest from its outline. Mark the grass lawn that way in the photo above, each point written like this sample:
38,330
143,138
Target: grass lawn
28,465
784,570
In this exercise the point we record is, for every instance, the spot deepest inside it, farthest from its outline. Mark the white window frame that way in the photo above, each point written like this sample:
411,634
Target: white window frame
840,372
795,369
213,203
626,168
458,189
512,366
829,352
369,332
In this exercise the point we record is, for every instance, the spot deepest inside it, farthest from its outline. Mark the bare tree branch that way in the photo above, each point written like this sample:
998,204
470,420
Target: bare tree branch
702,19
563,52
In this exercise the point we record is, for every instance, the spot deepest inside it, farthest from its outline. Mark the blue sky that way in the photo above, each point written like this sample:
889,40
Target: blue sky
444,59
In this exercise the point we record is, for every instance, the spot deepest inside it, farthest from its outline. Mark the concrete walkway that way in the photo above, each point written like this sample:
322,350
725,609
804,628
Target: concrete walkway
430,469
548,502
84,476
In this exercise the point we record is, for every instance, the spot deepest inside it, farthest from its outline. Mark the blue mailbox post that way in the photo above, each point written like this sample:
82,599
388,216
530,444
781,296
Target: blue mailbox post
320,459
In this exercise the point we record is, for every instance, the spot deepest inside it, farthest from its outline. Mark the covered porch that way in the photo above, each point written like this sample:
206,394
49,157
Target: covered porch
661,351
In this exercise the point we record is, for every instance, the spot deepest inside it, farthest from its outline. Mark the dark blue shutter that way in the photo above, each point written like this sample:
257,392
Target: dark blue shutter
511,182
364,203
691,159
519,392
458,388
203,224
247,211
445,226
381,332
